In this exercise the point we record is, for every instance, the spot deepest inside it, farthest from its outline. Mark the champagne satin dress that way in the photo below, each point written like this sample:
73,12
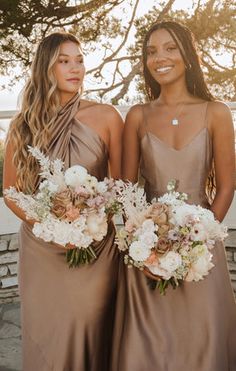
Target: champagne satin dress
67,313
192,328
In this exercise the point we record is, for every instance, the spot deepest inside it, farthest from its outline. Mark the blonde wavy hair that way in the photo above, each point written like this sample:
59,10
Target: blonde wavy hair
39,109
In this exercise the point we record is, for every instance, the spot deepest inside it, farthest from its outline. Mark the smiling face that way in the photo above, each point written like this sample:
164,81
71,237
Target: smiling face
69,70
164,60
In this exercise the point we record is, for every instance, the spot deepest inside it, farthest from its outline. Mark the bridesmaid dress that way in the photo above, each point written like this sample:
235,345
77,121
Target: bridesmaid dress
192,328
67,314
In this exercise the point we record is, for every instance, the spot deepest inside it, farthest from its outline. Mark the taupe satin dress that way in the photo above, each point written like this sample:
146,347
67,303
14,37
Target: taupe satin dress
192,328
67,314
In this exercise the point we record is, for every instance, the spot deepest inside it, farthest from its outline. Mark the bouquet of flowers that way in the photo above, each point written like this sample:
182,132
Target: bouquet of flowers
71,208
167,237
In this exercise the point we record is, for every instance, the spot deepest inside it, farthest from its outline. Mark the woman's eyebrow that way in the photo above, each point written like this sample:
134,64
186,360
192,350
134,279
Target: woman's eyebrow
166,43
67,55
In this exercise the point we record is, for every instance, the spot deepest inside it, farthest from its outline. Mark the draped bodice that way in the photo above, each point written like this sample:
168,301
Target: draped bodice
189,166
75,143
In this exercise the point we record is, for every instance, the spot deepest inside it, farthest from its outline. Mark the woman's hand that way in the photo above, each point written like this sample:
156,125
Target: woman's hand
148,274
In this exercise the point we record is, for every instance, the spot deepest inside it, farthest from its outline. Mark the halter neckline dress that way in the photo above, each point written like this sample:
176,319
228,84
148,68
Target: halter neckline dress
67,313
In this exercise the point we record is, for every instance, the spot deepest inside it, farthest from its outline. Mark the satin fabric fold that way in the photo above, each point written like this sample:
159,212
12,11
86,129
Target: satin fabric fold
67,314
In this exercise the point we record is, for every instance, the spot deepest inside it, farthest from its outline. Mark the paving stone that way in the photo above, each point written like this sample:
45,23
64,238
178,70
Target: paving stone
12,314
14,244
3,245
9,282
10,354
7,237
10,257
8,330
3,270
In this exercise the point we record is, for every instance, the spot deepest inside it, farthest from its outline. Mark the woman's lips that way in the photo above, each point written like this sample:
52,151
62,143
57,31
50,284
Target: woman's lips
163,70
76,80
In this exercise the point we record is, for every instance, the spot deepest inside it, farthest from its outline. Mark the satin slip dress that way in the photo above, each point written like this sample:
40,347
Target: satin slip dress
191,328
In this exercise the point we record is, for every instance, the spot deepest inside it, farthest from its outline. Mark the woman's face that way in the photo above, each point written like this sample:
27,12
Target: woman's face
69,70
164,60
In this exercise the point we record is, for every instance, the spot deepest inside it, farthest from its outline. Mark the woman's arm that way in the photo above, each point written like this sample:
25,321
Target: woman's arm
131,145
221,126
9,180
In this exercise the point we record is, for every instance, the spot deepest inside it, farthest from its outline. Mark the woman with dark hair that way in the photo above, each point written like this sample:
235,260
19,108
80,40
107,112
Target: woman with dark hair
182,133
66,314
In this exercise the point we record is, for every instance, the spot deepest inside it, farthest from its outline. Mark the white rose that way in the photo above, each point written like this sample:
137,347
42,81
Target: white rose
138,251
158,271
170,262
148,226
75,175
148,239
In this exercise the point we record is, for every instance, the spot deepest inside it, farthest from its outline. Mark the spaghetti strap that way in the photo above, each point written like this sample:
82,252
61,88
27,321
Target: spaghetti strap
205,115
142,130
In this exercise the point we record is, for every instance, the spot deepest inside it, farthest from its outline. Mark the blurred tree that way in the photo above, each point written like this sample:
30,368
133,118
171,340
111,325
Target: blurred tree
107,28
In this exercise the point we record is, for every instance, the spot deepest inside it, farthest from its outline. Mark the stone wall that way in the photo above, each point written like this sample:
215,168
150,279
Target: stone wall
8,267
9,258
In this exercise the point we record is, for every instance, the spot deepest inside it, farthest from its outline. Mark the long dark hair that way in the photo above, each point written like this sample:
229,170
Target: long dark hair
195,81
185,41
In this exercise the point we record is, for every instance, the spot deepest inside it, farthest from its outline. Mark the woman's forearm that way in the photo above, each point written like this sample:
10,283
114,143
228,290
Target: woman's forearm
17,211
222,202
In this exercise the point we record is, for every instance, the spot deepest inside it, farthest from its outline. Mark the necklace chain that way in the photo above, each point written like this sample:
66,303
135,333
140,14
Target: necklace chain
175,119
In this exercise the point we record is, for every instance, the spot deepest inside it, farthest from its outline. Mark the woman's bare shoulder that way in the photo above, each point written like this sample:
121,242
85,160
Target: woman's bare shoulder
218,108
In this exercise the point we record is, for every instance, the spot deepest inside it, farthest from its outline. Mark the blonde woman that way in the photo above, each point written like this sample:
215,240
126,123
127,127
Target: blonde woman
66,314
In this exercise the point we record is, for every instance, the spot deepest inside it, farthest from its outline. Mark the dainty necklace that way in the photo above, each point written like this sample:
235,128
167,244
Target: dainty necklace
175,120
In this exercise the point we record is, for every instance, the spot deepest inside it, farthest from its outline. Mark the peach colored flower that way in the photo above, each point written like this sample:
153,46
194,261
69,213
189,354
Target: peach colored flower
72,213
152,258
61,202
159,213
163,245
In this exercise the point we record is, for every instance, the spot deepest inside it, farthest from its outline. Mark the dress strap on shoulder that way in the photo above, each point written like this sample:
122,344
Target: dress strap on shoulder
205,114
143,122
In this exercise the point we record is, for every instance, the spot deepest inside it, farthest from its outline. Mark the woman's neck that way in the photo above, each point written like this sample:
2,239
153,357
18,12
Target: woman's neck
173,94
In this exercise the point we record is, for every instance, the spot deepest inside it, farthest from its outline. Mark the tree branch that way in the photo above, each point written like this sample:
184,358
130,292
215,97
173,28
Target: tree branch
111,56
